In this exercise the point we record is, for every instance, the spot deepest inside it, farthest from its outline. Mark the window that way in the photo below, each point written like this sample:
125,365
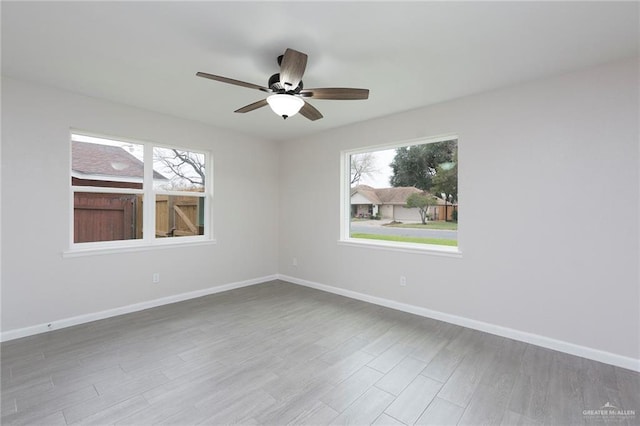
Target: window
130,193
402,196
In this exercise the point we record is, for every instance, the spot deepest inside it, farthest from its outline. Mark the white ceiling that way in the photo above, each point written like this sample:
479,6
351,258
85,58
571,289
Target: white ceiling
409,54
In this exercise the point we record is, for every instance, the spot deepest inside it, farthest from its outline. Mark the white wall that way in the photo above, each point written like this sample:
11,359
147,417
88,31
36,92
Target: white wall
40,286
555,264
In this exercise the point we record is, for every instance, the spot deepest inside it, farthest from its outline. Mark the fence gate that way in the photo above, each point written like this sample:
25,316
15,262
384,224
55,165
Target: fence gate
177,216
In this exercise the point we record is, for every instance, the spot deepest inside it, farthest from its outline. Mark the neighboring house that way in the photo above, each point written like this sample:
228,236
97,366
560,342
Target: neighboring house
367,201
106,166
104,216
364,201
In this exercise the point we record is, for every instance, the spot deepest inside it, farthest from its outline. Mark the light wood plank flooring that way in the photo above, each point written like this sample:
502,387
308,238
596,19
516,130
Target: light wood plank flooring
277,354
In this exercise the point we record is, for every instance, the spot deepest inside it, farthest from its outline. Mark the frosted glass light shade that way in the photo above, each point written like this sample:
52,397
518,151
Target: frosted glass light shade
285,105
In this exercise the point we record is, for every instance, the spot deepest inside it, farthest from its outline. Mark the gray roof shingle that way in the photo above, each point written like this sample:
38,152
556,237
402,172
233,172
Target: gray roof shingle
394,196
107,160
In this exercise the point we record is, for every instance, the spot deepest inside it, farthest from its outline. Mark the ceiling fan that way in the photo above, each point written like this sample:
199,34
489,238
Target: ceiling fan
287,93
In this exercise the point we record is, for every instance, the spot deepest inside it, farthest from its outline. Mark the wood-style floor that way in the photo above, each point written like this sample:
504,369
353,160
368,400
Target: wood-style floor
278,354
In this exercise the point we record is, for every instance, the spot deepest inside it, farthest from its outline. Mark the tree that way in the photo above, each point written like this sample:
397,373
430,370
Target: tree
185,169
362,165
418,165
421,201
445,182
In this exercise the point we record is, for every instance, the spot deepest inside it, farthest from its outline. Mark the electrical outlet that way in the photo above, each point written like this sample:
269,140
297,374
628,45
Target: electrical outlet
294,261
403,280
155,278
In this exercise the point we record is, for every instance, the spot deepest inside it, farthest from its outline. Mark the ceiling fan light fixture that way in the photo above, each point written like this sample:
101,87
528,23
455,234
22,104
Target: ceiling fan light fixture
285,105
287,89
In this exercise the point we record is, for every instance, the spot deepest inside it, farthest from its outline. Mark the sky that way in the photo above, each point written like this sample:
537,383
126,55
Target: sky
384,172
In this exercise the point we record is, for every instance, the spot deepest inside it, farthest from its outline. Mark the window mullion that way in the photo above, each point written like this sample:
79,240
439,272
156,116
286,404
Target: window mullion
105,190
208,200
149,205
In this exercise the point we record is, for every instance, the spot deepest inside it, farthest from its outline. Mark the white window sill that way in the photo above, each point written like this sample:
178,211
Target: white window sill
93,250
430,249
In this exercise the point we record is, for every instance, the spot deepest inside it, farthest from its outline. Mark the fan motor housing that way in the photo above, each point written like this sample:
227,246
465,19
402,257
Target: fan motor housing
274,84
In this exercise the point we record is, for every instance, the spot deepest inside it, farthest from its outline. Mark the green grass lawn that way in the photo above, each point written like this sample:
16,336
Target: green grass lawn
439,224
419,240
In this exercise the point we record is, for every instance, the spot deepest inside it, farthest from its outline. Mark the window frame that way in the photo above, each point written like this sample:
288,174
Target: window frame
345,202
149,193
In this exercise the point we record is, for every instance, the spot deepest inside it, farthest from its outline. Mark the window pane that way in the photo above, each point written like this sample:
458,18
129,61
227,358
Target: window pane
406,194
106,163
106,217
178,216
179,170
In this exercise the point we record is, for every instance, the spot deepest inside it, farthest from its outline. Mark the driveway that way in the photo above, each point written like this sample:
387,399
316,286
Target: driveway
375,227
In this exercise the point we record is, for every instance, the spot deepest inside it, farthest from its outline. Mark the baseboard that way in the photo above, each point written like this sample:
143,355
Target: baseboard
82,319
534,339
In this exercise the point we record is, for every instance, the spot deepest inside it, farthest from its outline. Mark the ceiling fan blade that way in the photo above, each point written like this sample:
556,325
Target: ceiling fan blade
291,69
337,93
310,112
232,81
251,107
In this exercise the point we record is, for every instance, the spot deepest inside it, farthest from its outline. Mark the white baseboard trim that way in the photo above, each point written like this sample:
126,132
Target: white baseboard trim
534,339
82,319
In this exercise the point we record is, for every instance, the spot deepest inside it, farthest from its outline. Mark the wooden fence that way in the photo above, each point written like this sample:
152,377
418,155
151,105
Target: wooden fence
111,217
177,216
